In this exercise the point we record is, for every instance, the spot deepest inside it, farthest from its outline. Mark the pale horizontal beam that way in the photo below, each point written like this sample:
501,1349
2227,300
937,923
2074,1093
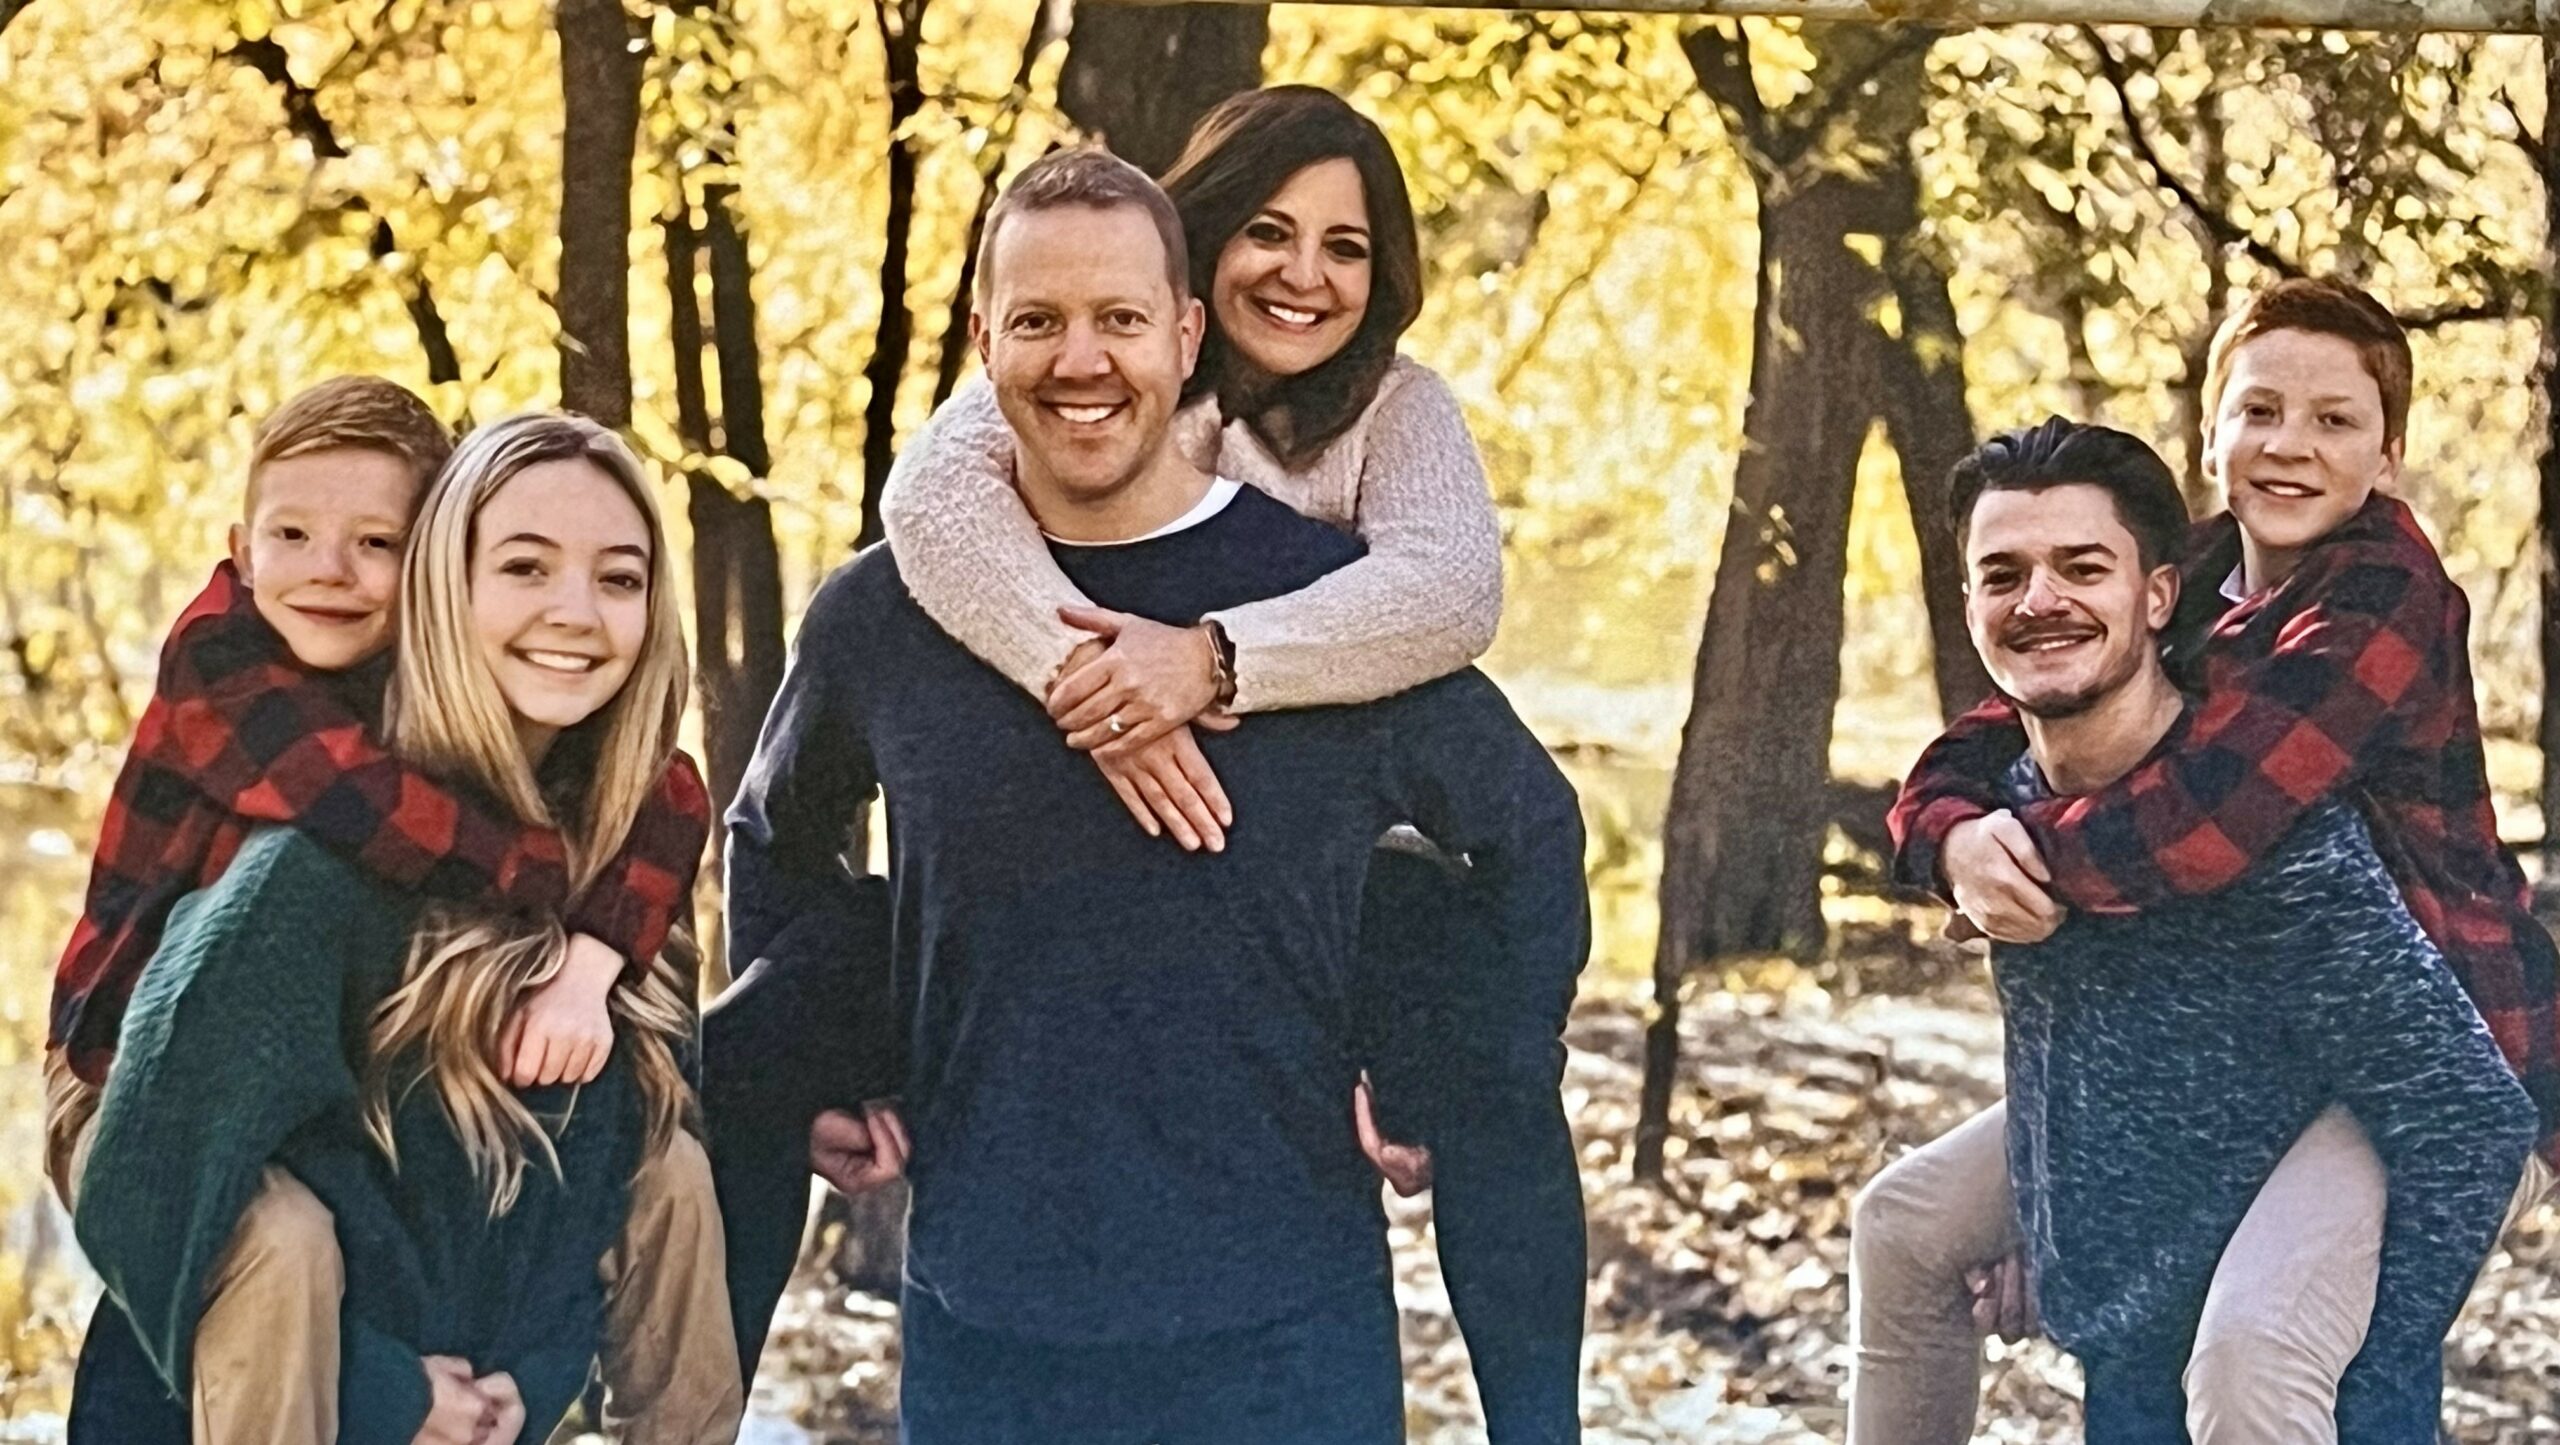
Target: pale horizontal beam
2511,16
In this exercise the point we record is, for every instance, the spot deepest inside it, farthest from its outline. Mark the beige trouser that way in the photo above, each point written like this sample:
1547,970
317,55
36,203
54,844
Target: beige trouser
2285,1314
266,1349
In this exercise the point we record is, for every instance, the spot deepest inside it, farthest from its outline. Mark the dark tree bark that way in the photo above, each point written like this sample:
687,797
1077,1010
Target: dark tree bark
1141,76
2187,397
2547,525
954,352
737,567
955,329
1742,842
901,36
303,116
1931,427
600,86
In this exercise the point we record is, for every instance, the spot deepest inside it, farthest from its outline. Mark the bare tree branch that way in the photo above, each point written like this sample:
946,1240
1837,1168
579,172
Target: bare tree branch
1573,286
2216,224
955,329
1722,63
1844,89
303,117
2223,231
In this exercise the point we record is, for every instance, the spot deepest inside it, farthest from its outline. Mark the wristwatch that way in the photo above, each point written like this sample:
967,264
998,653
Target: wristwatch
1222,662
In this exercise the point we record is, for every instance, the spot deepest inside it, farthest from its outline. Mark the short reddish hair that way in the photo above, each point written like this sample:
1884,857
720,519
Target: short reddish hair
365,413
2323,306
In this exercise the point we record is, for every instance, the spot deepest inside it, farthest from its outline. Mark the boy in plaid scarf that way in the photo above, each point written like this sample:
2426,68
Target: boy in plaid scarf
2329,649
265,712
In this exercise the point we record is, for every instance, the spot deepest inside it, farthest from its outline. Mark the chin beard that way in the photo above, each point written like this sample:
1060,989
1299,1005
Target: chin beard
2058,706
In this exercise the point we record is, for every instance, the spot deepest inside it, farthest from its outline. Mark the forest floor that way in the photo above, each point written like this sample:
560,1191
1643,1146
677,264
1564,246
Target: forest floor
1718,1302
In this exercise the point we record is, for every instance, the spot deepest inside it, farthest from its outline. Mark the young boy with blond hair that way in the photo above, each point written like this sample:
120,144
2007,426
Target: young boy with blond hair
266,712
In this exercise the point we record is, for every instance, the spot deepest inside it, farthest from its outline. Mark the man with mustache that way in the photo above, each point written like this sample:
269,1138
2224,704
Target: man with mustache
1140,1210
2161,1063
2332,654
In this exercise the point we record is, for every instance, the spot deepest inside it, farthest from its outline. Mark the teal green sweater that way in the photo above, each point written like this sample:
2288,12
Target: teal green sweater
238,1051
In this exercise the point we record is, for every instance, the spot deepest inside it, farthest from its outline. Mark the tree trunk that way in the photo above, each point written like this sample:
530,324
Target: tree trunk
737,567
304,117
901,33
1742,845
1921,375
1742,842
954,350
600,87
2547,525
2187,397
752,654
1140,76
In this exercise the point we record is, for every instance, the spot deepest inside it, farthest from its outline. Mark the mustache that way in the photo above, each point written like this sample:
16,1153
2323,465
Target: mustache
2029,631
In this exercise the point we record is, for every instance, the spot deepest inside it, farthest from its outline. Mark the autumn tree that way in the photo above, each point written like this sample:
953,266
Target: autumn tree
2546,153
1139,76
600,90
691,101
1851,331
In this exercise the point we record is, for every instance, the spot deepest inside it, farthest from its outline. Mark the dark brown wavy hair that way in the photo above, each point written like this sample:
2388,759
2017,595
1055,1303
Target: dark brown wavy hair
1238,157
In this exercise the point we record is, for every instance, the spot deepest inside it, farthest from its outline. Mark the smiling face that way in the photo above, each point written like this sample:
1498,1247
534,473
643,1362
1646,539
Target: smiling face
2057,600
559,594
2297,443
321,551
1292,285
1087,345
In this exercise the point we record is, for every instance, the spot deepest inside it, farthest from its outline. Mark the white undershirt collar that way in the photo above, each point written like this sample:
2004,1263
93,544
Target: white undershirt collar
1213,501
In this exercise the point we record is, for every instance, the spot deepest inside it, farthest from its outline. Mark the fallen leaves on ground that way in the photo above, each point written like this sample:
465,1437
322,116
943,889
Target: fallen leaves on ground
1718,1301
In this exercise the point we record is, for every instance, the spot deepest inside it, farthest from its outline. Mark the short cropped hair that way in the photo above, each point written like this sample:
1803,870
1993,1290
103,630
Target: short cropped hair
364,413
2323,306
1097,180
2060,453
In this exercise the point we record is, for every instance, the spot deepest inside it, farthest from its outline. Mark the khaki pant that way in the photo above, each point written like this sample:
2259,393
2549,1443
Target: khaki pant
266,1348
2285,1314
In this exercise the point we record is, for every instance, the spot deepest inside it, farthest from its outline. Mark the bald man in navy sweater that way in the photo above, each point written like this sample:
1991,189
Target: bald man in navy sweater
1140,1211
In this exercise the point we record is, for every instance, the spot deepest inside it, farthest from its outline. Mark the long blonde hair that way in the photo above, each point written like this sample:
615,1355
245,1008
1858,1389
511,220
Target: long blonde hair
469,969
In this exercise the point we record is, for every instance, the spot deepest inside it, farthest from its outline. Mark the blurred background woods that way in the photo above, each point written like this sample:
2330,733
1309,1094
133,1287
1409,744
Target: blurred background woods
1724,299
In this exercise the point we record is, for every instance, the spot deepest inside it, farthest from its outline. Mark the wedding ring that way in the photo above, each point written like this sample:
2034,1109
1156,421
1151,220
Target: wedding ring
1117,727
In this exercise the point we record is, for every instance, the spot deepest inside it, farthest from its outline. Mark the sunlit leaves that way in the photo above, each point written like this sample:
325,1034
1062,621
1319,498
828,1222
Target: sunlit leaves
186,248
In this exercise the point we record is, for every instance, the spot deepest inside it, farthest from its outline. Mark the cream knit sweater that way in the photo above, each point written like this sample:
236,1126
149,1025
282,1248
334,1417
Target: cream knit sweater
1406,477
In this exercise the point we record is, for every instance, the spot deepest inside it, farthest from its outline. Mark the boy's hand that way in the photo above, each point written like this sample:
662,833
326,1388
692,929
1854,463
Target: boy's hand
857,1153
1998,878
1151,678
2003,1304
503,1396
457,1413
562,1033
1405,1167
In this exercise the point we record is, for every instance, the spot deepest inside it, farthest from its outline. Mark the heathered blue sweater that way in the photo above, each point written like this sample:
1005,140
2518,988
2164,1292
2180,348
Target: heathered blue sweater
2161,1063
1129,1069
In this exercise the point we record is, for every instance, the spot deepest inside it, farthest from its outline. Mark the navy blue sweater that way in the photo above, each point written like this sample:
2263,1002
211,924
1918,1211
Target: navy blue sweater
1128,1070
